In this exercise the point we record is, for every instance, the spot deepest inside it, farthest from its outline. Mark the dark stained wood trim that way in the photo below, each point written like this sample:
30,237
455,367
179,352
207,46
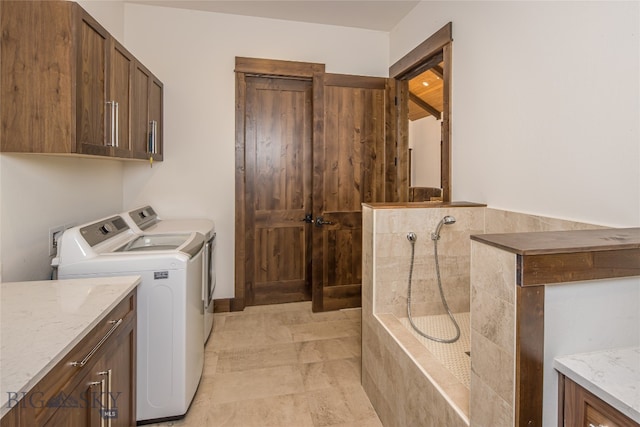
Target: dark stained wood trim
529,355
425,106
422,52
240,249
572,267
445,155
317,255
346,80
272,67
402,149
222,305
391,142
561,392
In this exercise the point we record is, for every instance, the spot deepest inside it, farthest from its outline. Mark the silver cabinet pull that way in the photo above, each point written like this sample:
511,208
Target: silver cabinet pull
102,394
106,414
117,124
153,129
84,361
112,123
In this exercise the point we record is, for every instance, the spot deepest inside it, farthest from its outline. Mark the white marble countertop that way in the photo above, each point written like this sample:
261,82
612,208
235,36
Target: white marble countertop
40,322
612,375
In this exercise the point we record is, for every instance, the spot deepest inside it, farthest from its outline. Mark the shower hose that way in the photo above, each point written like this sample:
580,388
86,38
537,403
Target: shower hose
412,239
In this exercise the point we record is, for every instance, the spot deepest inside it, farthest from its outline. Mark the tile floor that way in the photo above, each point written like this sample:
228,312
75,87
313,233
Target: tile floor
280,366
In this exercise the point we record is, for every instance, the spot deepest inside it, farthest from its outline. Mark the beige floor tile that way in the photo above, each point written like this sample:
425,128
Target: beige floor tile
226,340
233,360
325,330
334,373
352,313
331,349
256,383
282,366
210,363
371,422
277,308
339,405
280,411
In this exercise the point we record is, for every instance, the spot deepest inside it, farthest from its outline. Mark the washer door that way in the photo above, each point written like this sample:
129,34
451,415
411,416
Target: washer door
155,242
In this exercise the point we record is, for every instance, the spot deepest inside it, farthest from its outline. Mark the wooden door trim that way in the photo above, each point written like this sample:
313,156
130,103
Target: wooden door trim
402,71
422,52
317,295
275,68
272,67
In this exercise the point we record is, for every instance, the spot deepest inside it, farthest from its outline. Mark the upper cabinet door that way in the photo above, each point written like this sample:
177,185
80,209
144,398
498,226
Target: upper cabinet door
146,115
120,97
156,121
94,115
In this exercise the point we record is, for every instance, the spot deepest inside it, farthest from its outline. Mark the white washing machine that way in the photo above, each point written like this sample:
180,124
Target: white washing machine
144,220
170,317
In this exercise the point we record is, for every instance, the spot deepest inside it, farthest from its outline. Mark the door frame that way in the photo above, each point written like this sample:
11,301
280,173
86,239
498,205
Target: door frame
267,68
400,73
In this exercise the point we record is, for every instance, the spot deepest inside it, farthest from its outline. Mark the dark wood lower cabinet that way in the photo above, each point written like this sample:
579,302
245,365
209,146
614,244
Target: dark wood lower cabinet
581,408
100,392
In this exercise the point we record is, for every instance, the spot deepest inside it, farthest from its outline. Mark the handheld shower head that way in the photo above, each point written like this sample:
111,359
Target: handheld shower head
447,220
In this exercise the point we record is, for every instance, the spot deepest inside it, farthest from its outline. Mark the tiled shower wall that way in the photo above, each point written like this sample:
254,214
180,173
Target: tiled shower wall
392,369
393,259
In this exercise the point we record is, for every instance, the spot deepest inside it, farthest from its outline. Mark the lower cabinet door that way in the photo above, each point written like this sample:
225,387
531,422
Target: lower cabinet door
83,406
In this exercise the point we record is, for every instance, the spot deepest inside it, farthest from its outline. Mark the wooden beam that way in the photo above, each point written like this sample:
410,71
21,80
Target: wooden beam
425,106
438,71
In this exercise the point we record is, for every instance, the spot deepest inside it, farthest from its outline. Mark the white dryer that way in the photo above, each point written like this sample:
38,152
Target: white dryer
170,318
145,220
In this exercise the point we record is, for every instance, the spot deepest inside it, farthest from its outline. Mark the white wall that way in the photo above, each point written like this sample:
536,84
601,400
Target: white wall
109,13
42,192
545,104
193,53
424,139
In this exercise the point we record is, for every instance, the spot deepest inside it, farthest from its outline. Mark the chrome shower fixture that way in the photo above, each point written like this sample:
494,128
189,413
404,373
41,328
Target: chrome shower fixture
412,237
447,220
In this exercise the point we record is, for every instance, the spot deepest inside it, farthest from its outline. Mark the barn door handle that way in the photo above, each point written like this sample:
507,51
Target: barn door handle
307,218
320,222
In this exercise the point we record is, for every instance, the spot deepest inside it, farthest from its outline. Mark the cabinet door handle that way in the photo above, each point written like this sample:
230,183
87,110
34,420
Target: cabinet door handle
112,123
117,124
106,406
92,384
84,361
153,129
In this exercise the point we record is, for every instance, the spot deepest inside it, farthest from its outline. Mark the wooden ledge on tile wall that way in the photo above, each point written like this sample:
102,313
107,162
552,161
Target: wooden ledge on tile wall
570,256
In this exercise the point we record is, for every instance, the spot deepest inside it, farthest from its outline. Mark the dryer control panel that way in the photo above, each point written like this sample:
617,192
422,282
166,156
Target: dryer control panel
144,217
103,230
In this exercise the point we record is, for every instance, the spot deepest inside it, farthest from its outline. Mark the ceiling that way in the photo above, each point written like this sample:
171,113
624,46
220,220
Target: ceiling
381,15
426,94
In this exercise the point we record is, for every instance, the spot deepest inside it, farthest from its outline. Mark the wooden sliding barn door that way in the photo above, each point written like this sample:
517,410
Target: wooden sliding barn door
349,169
278,132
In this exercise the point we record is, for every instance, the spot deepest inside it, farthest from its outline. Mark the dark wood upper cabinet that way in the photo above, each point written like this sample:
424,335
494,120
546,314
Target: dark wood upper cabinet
146,115
68,87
